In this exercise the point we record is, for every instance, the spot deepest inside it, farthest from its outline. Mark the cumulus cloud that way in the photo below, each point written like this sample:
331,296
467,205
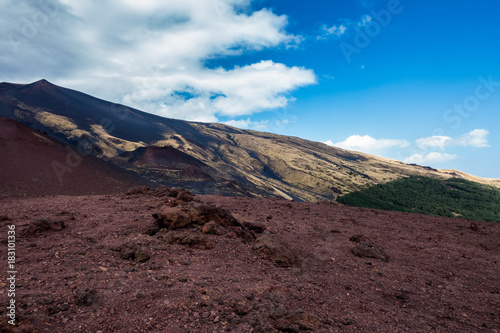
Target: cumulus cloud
152,54
476,138
368,144
430,158
436,141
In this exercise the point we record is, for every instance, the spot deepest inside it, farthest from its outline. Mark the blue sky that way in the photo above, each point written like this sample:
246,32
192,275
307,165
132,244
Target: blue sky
423,86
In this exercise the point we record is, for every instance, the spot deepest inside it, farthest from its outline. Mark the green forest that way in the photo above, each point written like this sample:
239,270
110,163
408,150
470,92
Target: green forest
417,194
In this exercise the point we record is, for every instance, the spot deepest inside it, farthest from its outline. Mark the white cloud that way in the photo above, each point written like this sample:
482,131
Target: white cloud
367,144
430,158
334,30
476,138
248,124
365,19
434,142
151,54
338,30
329,143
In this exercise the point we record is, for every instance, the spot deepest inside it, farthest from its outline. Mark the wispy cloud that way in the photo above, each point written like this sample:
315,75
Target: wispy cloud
248,124
151,54
476,138
337,30
365,19
368,144
340,29
430,158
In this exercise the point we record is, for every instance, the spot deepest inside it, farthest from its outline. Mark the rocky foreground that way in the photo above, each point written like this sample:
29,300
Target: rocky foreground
168,261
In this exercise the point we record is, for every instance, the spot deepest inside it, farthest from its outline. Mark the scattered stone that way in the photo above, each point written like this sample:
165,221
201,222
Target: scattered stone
241,307
283,325
347,322
142,255
296,321
54,309
213,228
173,218
131,251
195,241
474,226
42,225
170,202
207,213
231,235
254,226
45,301
306,321
369,251
86,297
182,217
185,196
268,246
244,234
366,249
402,295
358,238
138,190
163,191
347,220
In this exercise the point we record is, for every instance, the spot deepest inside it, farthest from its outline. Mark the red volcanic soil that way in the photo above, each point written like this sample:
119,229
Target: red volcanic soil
31,161
105,264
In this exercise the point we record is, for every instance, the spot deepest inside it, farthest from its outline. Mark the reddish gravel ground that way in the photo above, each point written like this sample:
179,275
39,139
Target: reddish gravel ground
97,264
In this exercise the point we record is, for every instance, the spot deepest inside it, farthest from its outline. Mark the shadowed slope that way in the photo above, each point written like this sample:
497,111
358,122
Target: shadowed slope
34,164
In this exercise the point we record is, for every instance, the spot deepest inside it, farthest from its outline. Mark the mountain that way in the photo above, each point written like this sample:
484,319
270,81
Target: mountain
34,164
205,158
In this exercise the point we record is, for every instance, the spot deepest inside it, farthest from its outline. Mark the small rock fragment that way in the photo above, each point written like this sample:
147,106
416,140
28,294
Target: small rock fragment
85,297
213,229
42,225
268,246
366,249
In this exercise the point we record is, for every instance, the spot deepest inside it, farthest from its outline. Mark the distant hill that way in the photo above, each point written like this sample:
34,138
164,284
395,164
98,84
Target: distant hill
34,164
453,197
207,158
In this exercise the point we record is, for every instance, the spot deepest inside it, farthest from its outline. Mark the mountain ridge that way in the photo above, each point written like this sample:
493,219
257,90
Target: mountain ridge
257,163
